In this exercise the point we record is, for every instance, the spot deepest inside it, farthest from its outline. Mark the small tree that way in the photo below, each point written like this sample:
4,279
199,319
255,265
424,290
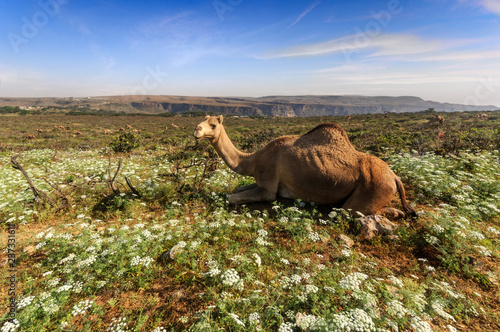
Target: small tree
126,142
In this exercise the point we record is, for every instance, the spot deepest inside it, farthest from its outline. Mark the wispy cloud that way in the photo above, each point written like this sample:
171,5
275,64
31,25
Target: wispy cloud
177,23
382,45
463,56
107,61
304,13
492,5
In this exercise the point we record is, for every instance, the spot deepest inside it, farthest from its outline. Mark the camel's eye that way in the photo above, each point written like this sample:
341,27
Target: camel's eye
213,126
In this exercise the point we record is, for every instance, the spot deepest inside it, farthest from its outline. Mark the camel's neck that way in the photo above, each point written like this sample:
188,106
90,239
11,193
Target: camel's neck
235,159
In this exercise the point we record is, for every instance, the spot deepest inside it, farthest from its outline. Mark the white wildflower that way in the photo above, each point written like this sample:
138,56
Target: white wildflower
396,281
195,244
352,281
10,326
352,320
230,277
258,261
432,240
54,282
146,261
306,322
237,319
117,325
310,289
50,306
286,327
439,309
419,325
329,289
314,236
254,318
493,230
63,288
262,233
47,273
346,253
484,251
24,302
81,307
476,235
296,279
437,229
40,245
283,220
396,309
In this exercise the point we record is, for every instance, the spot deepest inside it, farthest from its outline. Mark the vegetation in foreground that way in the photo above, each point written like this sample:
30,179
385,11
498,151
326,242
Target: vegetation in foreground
166,253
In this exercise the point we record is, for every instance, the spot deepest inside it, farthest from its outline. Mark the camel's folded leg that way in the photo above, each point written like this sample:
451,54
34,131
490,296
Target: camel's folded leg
255,194
391,213
244,188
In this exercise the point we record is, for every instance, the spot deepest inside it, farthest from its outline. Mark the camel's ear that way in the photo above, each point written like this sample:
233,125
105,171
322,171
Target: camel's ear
220,119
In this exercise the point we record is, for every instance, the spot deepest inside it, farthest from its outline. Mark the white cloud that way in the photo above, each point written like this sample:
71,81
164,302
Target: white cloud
492,5
474,55
305,12
380,45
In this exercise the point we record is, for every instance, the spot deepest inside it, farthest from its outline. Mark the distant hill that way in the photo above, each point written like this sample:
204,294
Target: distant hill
287,106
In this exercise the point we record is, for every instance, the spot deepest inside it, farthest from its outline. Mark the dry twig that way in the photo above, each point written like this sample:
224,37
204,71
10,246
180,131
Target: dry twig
138,194
111,182
39,195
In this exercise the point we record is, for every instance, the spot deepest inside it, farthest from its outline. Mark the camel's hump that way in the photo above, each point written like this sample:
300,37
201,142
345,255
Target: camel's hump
326,134
332,128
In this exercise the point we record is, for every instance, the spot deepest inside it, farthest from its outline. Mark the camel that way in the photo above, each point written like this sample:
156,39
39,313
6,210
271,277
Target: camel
321,166
436,118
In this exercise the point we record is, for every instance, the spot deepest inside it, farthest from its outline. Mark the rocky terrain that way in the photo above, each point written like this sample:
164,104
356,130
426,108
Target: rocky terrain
286,106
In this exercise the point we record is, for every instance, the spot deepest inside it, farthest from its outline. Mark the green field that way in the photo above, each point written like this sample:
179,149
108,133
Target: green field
159,248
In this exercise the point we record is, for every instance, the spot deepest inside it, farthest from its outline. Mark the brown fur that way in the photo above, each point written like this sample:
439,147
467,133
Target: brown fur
321,166
436,118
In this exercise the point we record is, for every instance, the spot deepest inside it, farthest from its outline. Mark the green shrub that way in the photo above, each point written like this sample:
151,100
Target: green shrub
125,143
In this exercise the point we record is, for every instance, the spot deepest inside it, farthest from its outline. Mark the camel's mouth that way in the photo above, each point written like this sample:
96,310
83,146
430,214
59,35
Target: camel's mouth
197,135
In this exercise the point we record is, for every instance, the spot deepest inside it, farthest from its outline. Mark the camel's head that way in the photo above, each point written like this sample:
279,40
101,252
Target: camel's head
210,128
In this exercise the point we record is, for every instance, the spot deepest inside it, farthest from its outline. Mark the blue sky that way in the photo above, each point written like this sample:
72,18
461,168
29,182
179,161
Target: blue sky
442,50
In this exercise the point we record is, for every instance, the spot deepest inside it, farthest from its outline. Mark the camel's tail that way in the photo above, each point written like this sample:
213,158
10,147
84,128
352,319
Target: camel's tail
402,195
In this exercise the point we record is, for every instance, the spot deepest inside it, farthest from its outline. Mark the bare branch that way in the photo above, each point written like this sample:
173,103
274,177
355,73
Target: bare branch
39,195
111,183
132,187
60,193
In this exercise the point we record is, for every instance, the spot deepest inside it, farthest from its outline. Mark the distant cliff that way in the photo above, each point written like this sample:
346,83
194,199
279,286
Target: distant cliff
285,106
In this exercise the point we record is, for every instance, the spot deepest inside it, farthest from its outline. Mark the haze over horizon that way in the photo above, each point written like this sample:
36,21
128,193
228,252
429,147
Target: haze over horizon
445,50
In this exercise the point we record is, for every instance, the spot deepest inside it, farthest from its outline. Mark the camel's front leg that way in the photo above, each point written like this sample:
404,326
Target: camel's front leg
244,188
254,194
